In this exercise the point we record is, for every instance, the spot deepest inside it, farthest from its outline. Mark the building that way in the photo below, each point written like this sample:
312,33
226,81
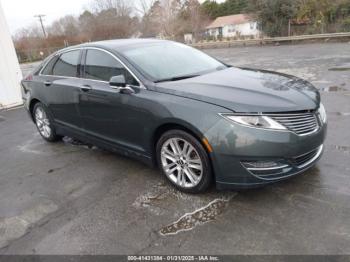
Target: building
241,25
188,38
10,72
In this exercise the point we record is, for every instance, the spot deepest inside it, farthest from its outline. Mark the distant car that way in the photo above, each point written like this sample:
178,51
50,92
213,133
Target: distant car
170,105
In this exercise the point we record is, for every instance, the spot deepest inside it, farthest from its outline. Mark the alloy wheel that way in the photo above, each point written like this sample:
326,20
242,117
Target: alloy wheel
42,122
181,162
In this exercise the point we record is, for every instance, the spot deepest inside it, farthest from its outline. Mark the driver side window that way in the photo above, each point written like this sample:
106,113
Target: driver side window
102,66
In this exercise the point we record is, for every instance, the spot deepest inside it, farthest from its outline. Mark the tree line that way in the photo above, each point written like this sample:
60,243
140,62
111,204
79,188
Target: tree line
110,19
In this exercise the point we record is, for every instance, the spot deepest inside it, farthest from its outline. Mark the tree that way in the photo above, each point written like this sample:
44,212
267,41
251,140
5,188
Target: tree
121,8
112,19
87,25
66,26
170,25
211,8
164,19
193,17
231,7
144,6
274,15
151,22
228,7
323,12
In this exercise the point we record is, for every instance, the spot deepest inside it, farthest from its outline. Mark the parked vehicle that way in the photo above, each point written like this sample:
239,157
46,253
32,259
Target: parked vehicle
170,105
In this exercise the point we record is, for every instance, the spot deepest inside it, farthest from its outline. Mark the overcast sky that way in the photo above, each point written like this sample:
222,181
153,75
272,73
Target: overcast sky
20,13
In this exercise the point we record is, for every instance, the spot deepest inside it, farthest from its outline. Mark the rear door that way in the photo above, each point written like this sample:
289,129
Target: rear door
63,84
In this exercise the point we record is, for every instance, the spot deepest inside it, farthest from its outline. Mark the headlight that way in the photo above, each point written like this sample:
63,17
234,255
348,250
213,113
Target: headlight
322,113
256,121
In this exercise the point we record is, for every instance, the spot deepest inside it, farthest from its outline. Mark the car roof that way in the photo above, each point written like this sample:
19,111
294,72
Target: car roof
118,44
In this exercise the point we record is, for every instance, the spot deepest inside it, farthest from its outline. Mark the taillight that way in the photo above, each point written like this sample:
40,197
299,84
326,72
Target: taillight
29,78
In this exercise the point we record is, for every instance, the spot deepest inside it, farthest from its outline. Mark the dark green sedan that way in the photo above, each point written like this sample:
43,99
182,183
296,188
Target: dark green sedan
199,120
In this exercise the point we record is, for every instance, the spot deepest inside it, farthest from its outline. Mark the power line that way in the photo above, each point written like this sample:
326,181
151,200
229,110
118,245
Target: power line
41,22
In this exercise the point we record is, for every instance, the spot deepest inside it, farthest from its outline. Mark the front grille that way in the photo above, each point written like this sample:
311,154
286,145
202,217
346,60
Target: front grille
305,159
299,123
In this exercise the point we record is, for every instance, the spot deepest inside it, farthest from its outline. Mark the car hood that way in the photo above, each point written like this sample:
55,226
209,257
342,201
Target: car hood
247,90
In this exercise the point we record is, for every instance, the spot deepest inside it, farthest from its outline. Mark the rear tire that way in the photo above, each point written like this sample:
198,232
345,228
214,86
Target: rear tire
184,161
43,122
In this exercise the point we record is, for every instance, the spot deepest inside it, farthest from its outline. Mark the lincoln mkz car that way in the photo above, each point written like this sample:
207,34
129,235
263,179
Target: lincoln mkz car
199,120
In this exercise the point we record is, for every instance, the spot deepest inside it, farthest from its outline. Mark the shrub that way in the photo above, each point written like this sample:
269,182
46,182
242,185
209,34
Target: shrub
346,24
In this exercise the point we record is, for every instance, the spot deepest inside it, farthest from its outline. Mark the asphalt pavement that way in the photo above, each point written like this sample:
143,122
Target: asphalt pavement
69,198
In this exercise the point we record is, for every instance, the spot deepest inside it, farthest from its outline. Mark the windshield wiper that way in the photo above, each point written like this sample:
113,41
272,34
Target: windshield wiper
176,78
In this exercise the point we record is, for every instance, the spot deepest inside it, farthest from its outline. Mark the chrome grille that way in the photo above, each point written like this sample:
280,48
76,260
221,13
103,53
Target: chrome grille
299,123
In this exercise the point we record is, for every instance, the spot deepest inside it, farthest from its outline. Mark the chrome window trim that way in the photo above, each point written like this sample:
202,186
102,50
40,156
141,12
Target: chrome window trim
58,53
45,65
142,86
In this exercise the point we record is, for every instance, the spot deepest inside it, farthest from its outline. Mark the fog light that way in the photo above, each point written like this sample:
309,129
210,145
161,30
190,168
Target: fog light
263,165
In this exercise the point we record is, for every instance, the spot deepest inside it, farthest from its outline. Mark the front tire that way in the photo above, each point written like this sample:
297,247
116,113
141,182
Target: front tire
43,122
184,161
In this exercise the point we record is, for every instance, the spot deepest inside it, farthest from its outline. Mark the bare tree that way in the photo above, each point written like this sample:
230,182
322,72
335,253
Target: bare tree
87,25
120,7
194,18
161,18
151,24
144,6
170,24
111,19
31,31
67,26
27,41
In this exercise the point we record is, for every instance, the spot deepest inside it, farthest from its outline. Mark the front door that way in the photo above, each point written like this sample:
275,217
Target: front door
108,114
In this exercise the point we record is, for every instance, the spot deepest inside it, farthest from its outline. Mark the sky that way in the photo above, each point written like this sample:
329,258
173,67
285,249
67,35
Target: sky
20,13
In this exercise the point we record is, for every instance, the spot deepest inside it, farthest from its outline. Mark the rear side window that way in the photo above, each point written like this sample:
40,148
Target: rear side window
48,68
102,66
67,64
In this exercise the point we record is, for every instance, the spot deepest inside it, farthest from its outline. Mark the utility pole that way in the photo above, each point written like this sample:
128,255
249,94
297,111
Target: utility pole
289,27
41,22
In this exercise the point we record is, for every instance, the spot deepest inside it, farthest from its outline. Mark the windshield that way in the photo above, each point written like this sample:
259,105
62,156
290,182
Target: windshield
168,61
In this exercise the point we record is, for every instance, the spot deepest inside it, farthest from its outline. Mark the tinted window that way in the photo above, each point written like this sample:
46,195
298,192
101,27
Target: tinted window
48,69
67,64
102,66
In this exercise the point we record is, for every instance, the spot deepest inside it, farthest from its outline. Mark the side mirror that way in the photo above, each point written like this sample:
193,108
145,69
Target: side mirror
117,81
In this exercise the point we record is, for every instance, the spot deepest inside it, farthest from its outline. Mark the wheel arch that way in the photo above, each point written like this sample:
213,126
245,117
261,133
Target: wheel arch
32,103
171,125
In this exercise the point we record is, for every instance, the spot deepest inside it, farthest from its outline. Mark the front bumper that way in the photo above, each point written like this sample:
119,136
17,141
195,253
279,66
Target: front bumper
234,146
268,176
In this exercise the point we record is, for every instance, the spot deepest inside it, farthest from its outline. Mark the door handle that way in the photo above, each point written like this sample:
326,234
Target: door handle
85,88
47,83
